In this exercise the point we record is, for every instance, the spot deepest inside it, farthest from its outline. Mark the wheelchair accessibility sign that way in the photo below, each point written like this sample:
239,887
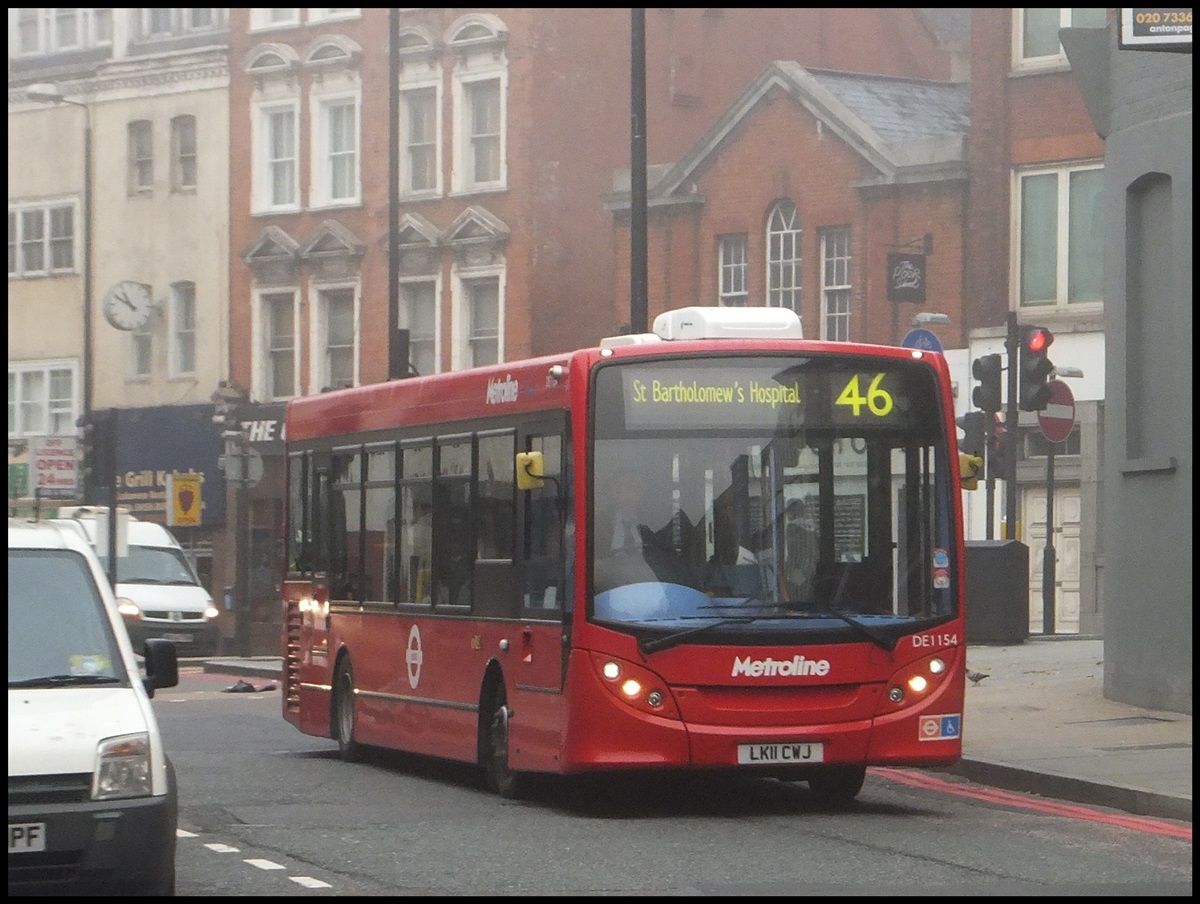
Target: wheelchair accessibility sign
939,728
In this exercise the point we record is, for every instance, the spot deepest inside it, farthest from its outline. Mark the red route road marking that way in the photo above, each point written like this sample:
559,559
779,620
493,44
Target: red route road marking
1008,798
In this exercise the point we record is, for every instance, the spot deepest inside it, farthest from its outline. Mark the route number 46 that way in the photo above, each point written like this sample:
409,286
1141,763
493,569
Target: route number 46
877,399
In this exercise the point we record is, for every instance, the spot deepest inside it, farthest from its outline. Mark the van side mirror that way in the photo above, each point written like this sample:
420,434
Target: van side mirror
162,665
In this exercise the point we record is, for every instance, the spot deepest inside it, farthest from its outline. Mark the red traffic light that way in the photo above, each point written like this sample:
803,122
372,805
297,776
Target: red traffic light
1038,339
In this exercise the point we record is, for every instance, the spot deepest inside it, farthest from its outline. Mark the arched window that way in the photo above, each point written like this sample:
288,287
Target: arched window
783,257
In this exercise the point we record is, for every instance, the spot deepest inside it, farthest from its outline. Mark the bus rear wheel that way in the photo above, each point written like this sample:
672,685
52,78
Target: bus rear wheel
343,713
501,777
836,786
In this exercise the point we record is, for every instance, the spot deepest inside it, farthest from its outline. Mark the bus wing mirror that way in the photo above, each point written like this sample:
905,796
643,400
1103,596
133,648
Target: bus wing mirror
531,470
969,468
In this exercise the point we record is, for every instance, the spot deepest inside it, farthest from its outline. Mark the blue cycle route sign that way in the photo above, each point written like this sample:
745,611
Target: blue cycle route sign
922,339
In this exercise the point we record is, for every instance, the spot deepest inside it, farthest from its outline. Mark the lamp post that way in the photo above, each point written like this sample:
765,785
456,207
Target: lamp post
50,93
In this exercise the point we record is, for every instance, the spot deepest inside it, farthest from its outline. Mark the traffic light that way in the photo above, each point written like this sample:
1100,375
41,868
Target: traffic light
974,427
999,450
98,445
1036,367
987,370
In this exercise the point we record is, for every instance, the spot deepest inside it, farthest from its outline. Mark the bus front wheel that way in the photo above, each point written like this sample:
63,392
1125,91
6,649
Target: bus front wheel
343,713
837,785
501,777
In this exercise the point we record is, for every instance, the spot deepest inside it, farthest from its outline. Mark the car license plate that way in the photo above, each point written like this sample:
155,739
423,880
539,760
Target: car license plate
178,638
780,752
24,838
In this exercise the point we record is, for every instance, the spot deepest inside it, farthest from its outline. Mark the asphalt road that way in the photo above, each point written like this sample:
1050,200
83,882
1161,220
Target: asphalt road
265,810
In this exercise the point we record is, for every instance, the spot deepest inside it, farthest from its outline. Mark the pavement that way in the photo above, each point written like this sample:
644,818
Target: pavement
1038,723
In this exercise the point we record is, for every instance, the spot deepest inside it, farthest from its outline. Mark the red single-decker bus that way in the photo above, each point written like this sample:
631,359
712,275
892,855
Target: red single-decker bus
717,546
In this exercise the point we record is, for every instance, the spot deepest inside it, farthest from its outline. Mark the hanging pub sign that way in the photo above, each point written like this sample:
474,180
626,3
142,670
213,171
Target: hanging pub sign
906,276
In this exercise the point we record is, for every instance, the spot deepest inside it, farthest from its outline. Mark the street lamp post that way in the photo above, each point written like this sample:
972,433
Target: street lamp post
50,93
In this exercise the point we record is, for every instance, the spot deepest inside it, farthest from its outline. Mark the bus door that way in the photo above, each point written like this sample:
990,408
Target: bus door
545,546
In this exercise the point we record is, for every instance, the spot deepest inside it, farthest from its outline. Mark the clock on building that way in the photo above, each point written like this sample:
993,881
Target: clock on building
127,305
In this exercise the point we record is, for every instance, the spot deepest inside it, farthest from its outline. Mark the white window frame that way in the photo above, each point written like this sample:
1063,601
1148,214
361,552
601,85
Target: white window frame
137,184
91,30
263,177
1060,303
406,183
473,69
785,273
837,287
404,318
180,21
1022,63
63,410
460,333
141,351
178,155
16,238
321,176
319,377
182,328
733,270
332,15
262,18
261,362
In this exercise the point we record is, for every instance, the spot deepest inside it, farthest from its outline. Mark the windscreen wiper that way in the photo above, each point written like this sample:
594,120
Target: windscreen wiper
674,640
880,640
883,642
61,680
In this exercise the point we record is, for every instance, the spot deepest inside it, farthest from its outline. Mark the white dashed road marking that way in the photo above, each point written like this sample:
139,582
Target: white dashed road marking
309,882
256,862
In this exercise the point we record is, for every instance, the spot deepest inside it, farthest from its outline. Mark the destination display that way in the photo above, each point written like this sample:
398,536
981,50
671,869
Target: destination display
745,393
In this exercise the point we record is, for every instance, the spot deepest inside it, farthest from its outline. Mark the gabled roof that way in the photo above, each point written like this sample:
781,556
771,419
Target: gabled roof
908,130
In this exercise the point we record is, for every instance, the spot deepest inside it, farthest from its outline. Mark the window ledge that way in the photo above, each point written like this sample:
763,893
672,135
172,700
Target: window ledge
274,211
336,205
1133,467
490,189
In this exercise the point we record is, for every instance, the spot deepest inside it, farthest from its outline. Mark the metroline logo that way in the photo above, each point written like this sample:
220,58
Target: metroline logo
501,391
767,668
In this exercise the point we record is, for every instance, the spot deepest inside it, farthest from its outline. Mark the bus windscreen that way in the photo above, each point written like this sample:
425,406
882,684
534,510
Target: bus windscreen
769,494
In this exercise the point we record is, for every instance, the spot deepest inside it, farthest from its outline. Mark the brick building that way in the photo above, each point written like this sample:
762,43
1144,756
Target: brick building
511,125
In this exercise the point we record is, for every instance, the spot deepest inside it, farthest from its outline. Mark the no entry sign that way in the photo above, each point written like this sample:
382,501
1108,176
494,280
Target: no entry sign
1058,417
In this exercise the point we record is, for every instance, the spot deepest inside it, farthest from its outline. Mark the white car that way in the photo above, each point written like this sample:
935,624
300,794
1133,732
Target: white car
92,802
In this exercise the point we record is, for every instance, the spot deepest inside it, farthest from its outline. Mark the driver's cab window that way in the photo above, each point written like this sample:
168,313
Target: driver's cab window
548,539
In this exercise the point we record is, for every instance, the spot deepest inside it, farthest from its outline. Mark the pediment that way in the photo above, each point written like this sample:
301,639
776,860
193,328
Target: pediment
332,51
476,225
272,246
271,58
332,239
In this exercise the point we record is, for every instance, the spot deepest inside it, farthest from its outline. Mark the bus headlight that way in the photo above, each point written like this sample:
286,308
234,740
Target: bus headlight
636,686
917,680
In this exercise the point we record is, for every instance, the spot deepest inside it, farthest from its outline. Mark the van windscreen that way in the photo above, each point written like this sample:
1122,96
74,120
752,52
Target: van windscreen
154,565
58,632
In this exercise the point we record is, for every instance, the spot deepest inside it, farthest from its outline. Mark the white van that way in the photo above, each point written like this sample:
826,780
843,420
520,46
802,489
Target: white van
92,802
158,592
